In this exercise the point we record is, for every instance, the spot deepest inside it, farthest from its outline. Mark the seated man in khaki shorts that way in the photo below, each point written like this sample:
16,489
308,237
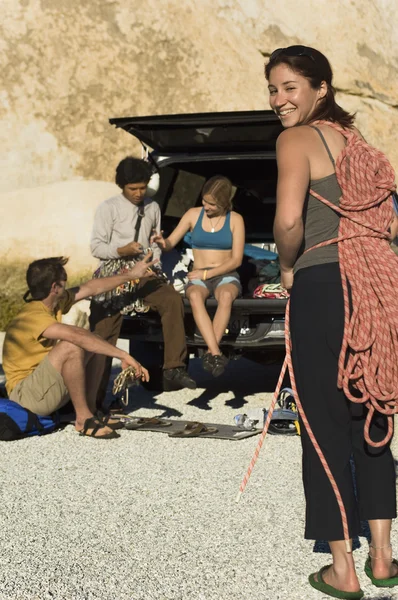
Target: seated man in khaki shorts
47,362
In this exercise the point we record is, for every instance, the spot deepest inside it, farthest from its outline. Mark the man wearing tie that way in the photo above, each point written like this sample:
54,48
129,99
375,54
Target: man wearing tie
122,228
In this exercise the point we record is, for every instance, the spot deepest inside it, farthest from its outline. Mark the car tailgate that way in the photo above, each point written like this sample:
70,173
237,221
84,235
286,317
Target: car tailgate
248,305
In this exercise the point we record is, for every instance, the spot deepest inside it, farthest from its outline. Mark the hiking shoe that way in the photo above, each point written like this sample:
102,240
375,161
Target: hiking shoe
207,362
177,379
218,362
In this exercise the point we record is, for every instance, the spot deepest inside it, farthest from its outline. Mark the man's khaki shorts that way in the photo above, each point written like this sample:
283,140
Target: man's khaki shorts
43,391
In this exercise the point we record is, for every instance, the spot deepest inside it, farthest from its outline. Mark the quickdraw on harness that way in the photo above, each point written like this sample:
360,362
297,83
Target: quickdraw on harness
368,361
124,298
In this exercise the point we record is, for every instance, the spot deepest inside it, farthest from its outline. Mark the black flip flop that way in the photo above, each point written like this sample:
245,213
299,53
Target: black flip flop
106,418
96,425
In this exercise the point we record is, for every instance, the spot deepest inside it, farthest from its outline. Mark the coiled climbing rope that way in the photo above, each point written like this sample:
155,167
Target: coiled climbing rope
368,361
122,381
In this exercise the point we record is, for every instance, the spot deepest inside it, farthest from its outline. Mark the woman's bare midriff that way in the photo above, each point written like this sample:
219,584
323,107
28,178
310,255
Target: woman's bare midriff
210,258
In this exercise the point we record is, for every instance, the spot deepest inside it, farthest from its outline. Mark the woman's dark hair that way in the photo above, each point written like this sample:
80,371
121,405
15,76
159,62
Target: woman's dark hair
132,170
219,188
41,274
315,67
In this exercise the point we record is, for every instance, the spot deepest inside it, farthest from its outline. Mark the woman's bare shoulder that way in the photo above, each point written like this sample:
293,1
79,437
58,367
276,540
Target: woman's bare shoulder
194,212
192,215
294,145
294,138
236,217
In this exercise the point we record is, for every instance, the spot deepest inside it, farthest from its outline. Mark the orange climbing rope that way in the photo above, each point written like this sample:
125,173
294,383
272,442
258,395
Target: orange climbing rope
368,361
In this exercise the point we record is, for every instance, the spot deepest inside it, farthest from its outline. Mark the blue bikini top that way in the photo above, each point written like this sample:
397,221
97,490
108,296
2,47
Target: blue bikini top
206,240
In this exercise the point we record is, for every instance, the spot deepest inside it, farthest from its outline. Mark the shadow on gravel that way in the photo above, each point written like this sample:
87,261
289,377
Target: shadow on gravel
139,397
242,377
205,398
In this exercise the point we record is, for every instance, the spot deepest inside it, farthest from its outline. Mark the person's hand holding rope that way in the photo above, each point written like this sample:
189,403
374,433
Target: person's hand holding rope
130,374
139,371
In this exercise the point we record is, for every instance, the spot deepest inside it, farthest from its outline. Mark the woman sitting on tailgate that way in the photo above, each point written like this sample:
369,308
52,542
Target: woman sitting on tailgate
218,237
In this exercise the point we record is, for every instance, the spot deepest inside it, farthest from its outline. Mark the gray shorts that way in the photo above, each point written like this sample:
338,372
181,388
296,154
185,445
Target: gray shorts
43,391
215,282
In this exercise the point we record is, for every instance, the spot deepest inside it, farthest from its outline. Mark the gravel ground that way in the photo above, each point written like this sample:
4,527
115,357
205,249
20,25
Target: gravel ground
147,517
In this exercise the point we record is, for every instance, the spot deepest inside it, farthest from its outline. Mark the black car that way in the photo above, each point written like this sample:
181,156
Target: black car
186,150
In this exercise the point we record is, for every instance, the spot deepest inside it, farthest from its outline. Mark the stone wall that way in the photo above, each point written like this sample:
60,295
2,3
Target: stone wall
360,39
67,67
52,220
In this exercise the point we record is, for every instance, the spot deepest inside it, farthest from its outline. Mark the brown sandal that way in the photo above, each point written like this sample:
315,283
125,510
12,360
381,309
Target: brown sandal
143,422
194,429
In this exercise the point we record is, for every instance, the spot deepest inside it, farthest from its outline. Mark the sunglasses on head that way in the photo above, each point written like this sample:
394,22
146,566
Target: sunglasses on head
292,51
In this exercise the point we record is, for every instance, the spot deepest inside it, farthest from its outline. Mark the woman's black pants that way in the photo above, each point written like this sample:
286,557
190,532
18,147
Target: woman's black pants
316,327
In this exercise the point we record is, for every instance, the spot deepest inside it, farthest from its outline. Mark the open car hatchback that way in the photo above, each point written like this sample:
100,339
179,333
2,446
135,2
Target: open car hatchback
186,150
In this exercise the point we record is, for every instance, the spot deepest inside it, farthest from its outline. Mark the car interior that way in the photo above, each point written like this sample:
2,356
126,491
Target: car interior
254,198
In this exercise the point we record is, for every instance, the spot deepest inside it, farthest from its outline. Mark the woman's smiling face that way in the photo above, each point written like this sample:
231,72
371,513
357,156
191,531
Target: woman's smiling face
291,96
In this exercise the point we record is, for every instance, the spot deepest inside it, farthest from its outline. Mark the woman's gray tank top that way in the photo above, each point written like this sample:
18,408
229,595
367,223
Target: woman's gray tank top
321,222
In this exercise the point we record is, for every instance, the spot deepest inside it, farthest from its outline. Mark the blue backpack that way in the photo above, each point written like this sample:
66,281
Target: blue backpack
17,422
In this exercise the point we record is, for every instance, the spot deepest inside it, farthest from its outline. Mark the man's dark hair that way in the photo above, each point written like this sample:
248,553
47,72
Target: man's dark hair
132,170
41,274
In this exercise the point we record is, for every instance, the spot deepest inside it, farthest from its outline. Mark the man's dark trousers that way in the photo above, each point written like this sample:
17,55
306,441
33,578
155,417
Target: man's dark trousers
161,297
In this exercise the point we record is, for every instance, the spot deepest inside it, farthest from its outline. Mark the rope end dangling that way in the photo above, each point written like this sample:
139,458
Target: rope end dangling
348,546
263,434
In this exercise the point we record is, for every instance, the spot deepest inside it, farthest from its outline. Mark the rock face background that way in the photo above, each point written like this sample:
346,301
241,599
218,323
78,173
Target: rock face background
67,67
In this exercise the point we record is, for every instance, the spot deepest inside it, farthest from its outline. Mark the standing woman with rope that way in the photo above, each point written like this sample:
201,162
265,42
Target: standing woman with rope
332,228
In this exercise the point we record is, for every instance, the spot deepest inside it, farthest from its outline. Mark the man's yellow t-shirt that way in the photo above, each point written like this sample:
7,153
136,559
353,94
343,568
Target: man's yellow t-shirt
24,346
